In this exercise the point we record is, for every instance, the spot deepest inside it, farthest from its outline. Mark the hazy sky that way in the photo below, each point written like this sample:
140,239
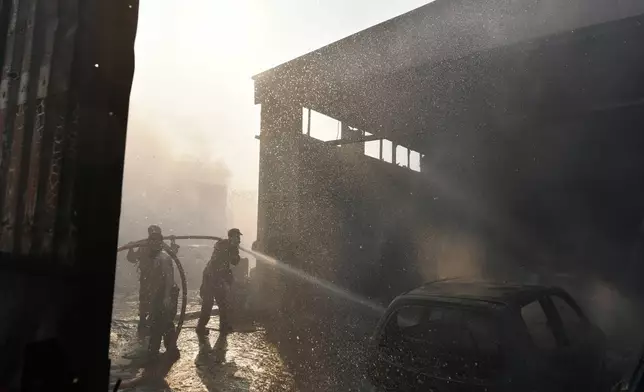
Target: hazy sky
195,59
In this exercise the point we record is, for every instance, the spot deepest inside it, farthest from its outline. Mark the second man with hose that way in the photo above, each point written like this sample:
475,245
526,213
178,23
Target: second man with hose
216,282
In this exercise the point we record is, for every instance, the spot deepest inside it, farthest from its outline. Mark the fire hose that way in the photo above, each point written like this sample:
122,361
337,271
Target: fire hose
173,255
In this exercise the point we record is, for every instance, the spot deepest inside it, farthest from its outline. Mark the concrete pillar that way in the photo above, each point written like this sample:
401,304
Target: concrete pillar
424,163
279,205
279,157
351,134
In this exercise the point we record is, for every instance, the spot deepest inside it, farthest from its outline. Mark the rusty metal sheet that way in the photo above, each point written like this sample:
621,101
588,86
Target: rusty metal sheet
36,122
18,92
49,18
62,133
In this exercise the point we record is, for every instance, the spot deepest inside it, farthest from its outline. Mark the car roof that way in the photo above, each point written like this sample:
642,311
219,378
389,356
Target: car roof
480,293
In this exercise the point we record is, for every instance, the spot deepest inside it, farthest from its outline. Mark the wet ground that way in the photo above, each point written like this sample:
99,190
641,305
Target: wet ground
242,361
254,359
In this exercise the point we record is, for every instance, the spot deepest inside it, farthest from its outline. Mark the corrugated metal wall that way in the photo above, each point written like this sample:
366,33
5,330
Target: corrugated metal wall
37,122
67,68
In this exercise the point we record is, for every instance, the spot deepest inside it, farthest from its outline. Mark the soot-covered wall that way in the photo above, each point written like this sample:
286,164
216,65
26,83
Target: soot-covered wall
337,214
496,203
365,224
533,167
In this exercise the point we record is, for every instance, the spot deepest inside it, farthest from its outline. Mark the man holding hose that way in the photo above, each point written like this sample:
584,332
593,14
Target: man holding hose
217,278
159,294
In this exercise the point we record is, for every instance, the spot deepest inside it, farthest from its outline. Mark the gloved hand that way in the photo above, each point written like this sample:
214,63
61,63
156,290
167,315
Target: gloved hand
173,245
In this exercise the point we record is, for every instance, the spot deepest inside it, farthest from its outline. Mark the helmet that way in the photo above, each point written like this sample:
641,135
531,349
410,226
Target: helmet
234,232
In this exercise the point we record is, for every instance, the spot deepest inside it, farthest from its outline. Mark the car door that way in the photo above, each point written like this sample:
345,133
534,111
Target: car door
581,350
543,347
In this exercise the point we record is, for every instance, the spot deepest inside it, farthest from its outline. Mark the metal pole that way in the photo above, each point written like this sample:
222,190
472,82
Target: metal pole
308,125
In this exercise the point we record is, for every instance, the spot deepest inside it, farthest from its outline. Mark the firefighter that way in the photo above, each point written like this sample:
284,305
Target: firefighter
164,296
216,281
144,262
141,256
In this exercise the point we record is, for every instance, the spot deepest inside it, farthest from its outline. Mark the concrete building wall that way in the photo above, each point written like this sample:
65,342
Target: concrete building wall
543,199
523,172
346,217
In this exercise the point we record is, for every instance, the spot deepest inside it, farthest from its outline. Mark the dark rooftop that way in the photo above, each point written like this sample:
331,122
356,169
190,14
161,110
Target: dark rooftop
495,293
449,29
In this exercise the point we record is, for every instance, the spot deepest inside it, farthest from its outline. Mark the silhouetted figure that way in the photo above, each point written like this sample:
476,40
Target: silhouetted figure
145,262
217,278
159,295
164,303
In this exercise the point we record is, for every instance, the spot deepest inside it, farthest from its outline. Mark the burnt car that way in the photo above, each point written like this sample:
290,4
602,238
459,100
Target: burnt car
635,383
451,336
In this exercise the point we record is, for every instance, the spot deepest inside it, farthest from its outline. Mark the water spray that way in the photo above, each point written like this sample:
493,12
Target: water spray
317,282
260,257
